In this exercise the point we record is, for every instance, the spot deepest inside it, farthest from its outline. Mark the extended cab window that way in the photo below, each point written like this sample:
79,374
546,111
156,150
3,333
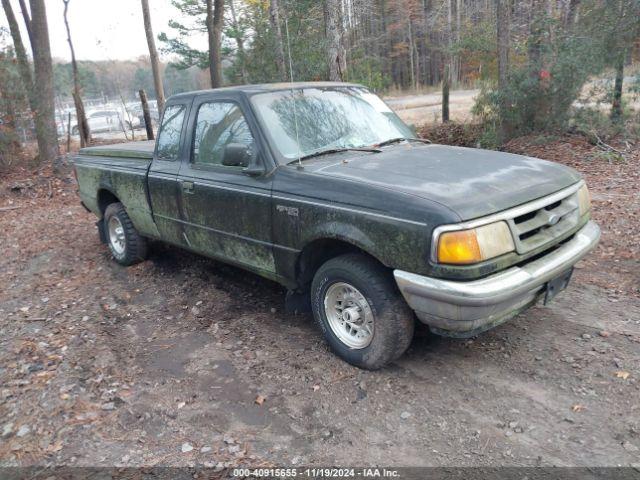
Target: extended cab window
219,124
169,137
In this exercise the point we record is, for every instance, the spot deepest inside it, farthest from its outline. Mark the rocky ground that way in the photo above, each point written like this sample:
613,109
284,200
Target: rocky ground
181,360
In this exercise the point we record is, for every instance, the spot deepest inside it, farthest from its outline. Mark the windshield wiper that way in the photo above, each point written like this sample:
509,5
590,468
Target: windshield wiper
337,150
400,139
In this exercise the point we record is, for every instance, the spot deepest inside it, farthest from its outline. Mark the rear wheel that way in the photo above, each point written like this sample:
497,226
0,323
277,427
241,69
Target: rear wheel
362,315
126,244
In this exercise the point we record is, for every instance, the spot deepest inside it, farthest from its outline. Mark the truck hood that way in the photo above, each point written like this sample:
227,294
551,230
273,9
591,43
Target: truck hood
470,181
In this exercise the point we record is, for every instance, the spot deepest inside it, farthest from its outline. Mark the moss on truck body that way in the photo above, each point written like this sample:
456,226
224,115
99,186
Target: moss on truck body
282,221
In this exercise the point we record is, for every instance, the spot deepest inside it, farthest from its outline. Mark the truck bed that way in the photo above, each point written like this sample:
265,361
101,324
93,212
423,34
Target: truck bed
118,170
122,150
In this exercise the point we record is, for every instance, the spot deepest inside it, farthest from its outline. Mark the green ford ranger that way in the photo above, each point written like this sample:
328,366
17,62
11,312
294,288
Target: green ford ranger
322,188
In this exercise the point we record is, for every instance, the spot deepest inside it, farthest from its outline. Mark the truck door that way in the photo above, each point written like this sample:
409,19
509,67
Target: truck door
226,211
164,192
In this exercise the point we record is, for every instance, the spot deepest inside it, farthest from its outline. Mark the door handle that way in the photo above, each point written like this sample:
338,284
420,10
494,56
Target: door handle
187,187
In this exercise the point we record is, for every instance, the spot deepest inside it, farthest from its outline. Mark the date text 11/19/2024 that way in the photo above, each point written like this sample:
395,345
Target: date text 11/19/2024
305,472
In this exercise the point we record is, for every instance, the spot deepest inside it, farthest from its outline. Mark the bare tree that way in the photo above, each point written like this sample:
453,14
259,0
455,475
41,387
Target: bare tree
153,55
503,12
21,55
215,17
336,55
43,67
446,83
274,19
238,37
146,115
42,97
616,104
27,19
83,125
569,16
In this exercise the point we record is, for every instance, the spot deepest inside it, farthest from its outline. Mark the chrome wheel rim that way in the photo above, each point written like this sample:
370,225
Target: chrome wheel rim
349,315
116,235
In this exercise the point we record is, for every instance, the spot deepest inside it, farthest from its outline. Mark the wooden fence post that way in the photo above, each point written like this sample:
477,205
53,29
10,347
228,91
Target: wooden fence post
446,83
147,115
69,133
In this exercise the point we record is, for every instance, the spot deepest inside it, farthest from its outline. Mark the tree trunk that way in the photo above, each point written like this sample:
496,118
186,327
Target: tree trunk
570,14
21,55
153,56
27,19
81,117
274,20
45,115
534,47
83,125
503,12
458,60
240,43
8,115
411,58
335,49
450,59
446,80
147,116
215,16
616,105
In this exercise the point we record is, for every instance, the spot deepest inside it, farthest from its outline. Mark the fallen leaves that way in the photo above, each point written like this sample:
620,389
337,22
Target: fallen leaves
54,447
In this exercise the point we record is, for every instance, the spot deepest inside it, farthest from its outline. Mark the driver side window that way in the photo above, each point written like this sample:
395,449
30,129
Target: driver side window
219,124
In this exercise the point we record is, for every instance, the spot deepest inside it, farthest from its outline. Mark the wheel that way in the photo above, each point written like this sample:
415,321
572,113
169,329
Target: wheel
363,317
125,243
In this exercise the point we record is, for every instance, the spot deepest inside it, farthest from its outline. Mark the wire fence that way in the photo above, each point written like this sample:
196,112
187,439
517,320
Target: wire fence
104,115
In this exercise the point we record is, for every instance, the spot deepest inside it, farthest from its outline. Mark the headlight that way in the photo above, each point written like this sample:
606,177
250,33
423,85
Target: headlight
584,199
463,247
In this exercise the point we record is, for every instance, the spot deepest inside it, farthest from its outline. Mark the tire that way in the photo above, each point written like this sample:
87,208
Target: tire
125,243
361,278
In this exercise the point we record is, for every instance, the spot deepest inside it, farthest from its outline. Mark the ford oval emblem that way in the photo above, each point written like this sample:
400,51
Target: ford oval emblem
553,219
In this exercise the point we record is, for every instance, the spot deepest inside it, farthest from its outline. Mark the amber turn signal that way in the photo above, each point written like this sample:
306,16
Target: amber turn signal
459,247
462,247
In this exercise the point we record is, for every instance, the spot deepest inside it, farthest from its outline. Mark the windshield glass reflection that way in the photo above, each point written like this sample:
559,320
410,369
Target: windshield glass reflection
327,118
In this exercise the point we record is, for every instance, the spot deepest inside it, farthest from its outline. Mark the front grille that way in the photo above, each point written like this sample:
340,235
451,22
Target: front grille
542,225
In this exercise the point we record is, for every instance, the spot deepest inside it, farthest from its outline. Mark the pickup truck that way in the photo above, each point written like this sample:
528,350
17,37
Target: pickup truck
322,188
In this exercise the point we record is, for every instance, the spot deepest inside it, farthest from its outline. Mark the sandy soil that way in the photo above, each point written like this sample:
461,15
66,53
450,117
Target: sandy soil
181,360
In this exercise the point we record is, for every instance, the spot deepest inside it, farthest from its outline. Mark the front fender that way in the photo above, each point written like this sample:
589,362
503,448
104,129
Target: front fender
344,232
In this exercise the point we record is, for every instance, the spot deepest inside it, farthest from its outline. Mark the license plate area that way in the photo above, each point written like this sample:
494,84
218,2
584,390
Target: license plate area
556,285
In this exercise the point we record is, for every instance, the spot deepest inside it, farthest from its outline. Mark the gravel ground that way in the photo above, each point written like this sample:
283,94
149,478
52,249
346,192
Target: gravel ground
182,360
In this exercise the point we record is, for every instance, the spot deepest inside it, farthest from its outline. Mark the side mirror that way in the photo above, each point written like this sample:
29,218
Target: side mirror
236,155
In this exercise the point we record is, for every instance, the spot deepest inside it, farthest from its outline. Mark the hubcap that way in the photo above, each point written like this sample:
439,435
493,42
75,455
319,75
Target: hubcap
116,235
349,315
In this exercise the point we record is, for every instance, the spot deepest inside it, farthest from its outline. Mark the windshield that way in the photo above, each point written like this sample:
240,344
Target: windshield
327,118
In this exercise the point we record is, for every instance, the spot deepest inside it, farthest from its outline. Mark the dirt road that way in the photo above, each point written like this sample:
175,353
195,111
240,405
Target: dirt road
181,360
416,109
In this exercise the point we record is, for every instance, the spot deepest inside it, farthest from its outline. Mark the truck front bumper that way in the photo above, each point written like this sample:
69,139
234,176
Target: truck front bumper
463,309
